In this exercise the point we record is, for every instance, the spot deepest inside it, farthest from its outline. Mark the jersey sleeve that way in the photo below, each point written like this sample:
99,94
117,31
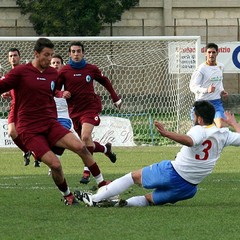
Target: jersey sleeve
10,81
104,81
233,138
196,83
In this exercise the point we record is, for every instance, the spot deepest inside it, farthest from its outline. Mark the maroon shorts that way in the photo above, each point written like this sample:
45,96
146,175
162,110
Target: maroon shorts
44,141
91,118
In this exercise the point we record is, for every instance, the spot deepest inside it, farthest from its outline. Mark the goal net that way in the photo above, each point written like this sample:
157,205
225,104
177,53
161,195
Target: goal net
151,74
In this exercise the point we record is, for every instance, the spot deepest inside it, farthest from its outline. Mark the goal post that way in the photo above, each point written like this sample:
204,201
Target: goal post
151,74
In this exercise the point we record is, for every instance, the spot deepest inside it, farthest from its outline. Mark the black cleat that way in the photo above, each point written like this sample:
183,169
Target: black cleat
78,195
37,163
85,178
121,203
111,155
26,158
107,203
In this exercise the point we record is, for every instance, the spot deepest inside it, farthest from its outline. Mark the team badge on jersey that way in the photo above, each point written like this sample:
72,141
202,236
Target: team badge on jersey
52,85
88,78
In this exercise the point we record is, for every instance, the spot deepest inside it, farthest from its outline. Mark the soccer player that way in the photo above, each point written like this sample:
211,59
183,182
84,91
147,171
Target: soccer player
14,60
36,115
207,82
176,180
85,105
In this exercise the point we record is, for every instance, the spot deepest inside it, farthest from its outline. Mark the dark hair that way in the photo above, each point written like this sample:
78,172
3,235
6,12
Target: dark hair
42,43
14,50
58,56
212,45
76,43
205,110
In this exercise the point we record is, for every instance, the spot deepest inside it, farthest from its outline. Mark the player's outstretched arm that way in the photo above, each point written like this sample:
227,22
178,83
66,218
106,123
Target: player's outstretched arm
180,138
231,121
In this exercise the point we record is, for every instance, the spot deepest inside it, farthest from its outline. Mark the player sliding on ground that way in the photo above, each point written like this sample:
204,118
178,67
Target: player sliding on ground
175,180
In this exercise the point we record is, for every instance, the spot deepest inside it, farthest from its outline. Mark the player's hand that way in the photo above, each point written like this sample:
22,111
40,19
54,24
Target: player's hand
211,88
6,95
118,104
66,94
230,118
224,94
160,128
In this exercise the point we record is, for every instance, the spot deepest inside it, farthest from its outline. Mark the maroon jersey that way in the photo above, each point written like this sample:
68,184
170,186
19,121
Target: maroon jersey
34,102
12,108
79,82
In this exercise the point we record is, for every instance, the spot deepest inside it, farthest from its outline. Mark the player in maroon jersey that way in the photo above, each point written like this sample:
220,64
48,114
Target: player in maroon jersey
85,105
36,116
14,60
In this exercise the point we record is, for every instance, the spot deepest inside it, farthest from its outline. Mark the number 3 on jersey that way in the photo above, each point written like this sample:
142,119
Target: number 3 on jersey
207,145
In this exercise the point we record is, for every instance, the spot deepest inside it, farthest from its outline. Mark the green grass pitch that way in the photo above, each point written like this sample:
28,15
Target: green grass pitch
31,206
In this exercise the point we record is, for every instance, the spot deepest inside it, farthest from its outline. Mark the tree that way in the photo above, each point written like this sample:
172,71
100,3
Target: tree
73,17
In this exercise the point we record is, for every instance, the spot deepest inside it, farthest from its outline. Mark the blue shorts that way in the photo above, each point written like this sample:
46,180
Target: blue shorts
218,108
67,123
169,186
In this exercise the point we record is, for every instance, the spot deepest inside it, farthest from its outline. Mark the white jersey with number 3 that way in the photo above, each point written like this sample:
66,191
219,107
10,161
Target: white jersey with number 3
196,162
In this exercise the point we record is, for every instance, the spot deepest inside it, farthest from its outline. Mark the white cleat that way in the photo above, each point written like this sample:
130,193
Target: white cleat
87,199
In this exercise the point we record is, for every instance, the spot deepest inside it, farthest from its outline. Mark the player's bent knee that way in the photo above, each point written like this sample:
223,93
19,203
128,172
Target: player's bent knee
55,166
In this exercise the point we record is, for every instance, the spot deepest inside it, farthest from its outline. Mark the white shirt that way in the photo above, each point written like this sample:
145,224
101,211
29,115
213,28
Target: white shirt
62,108
203,77
196,162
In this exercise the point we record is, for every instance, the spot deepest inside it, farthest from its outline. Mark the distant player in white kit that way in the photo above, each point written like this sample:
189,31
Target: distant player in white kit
176,180
61,103
207,82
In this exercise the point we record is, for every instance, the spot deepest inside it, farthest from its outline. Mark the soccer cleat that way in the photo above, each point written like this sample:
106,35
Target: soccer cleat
78,195
87,199
85,178
70,200
107,203
49,172
121,203
111,155
37,163
26,158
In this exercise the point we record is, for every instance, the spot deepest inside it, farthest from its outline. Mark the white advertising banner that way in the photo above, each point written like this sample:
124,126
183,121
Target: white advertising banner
5,140
228,55
115,130
182,58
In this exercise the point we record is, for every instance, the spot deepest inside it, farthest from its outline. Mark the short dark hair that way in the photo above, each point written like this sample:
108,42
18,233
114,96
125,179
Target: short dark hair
205,110
58,56
212,45
14,50
42,43
76,43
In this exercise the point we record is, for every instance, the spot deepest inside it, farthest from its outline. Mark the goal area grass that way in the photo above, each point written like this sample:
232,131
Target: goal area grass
31,206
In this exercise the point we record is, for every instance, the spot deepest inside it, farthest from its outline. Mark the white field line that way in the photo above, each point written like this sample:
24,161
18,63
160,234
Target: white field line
33,186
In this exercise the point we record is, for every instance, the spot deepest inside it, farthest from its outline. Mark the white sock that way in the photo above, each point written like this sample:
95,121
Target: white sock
99,178
137,201
105,149
85,169
114,188
67,192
